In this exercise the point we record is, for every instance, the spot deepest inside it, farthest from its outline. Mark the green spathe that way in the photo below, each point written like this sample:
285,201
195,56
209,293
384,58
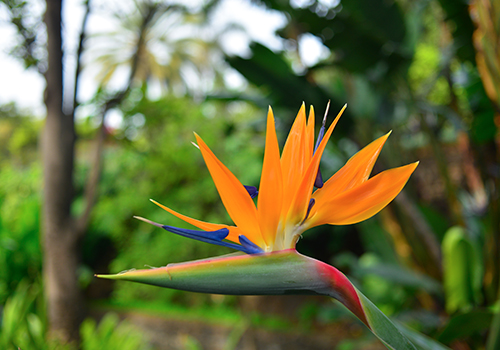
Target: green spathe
275,273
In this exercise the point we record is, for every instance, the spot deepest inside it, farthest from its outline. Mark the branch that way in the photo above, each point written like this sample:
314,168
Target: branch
18,11
79,52
92,181
91,187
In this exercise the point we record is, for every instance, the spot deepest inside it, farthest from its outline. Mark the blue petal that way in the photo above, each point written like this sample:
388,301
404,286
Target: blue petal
252,191
309,207
320,136
214,237
250,247
217,235
318,182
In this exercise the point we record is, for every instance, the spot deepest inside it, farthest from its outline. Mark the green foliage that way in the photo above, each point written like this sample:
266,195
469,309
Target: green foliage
24,326
421,75
389,296
18,136
463,270
483,128
457,13
421,341
273,74
27,23
111,334
465,325
20,253
494,336
23,323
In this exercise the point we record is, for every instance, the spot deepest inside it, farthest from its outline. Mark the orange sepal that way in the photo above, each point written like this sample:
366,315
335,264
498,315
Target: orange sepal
293,157
309,141
234,232
353,173
363,201
238,203
271,185
302,196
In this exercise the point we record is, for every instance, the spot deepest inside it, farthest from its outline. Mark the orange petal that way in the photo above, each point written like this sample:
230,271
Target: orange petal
234,232
353,173
303,192
293,158
234,196
309,142
363,201
271,185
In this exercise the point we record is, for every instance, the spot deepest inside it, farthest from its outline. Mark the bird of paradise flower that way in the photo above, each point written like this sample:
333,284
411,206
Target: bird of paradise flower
286,207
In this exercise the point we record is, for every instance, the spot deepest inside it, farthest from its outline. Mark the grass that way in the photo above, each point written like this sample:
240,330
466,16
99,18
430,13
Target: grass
219,315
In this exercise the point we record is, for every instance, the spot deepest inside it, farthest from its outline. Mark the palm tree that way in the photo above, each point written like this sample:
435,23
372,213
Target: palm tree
158,44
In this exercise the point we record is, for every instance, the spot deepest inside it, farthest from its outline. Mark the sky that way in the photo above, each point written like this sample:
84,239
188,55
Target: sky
25,87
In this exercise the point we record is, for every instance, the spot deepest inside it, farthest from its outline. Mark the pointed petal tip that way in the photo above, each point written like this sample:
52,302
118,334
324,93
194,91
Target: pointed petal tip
148,221
157,203
413,165
112,276
385,137
302,108
270,113
326,112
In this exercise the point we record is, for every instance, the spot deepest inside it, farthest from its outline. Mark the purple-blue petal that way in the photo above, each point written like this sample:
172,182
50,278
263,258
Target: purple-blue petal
217,235
321,134
214,237
252,191
309,207
250,247
318,182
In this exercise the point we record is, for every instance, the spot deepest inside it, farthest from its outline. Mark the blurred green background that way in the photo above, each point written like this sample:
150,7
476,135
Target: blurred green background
429,70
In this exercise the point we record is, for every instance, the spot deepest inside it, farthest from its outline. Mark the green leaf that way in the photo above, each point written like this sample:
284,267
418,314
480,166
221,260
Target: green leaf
273,73
383,328
420,340
404,277
457,11
494,337
462,270
465,325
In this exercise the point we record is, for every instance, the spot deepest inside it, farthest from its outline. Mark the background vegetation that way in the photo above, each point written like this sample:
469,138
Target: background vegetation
429,70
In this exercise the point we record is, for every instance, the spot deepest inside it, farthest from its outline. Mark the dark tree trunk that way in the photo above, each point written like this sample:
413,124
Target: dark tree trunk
60,237
62,233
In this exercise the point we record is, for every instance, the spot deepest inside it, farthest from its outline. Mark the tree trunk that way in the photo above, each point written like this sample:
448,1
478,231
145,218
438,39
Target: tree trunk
60,237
